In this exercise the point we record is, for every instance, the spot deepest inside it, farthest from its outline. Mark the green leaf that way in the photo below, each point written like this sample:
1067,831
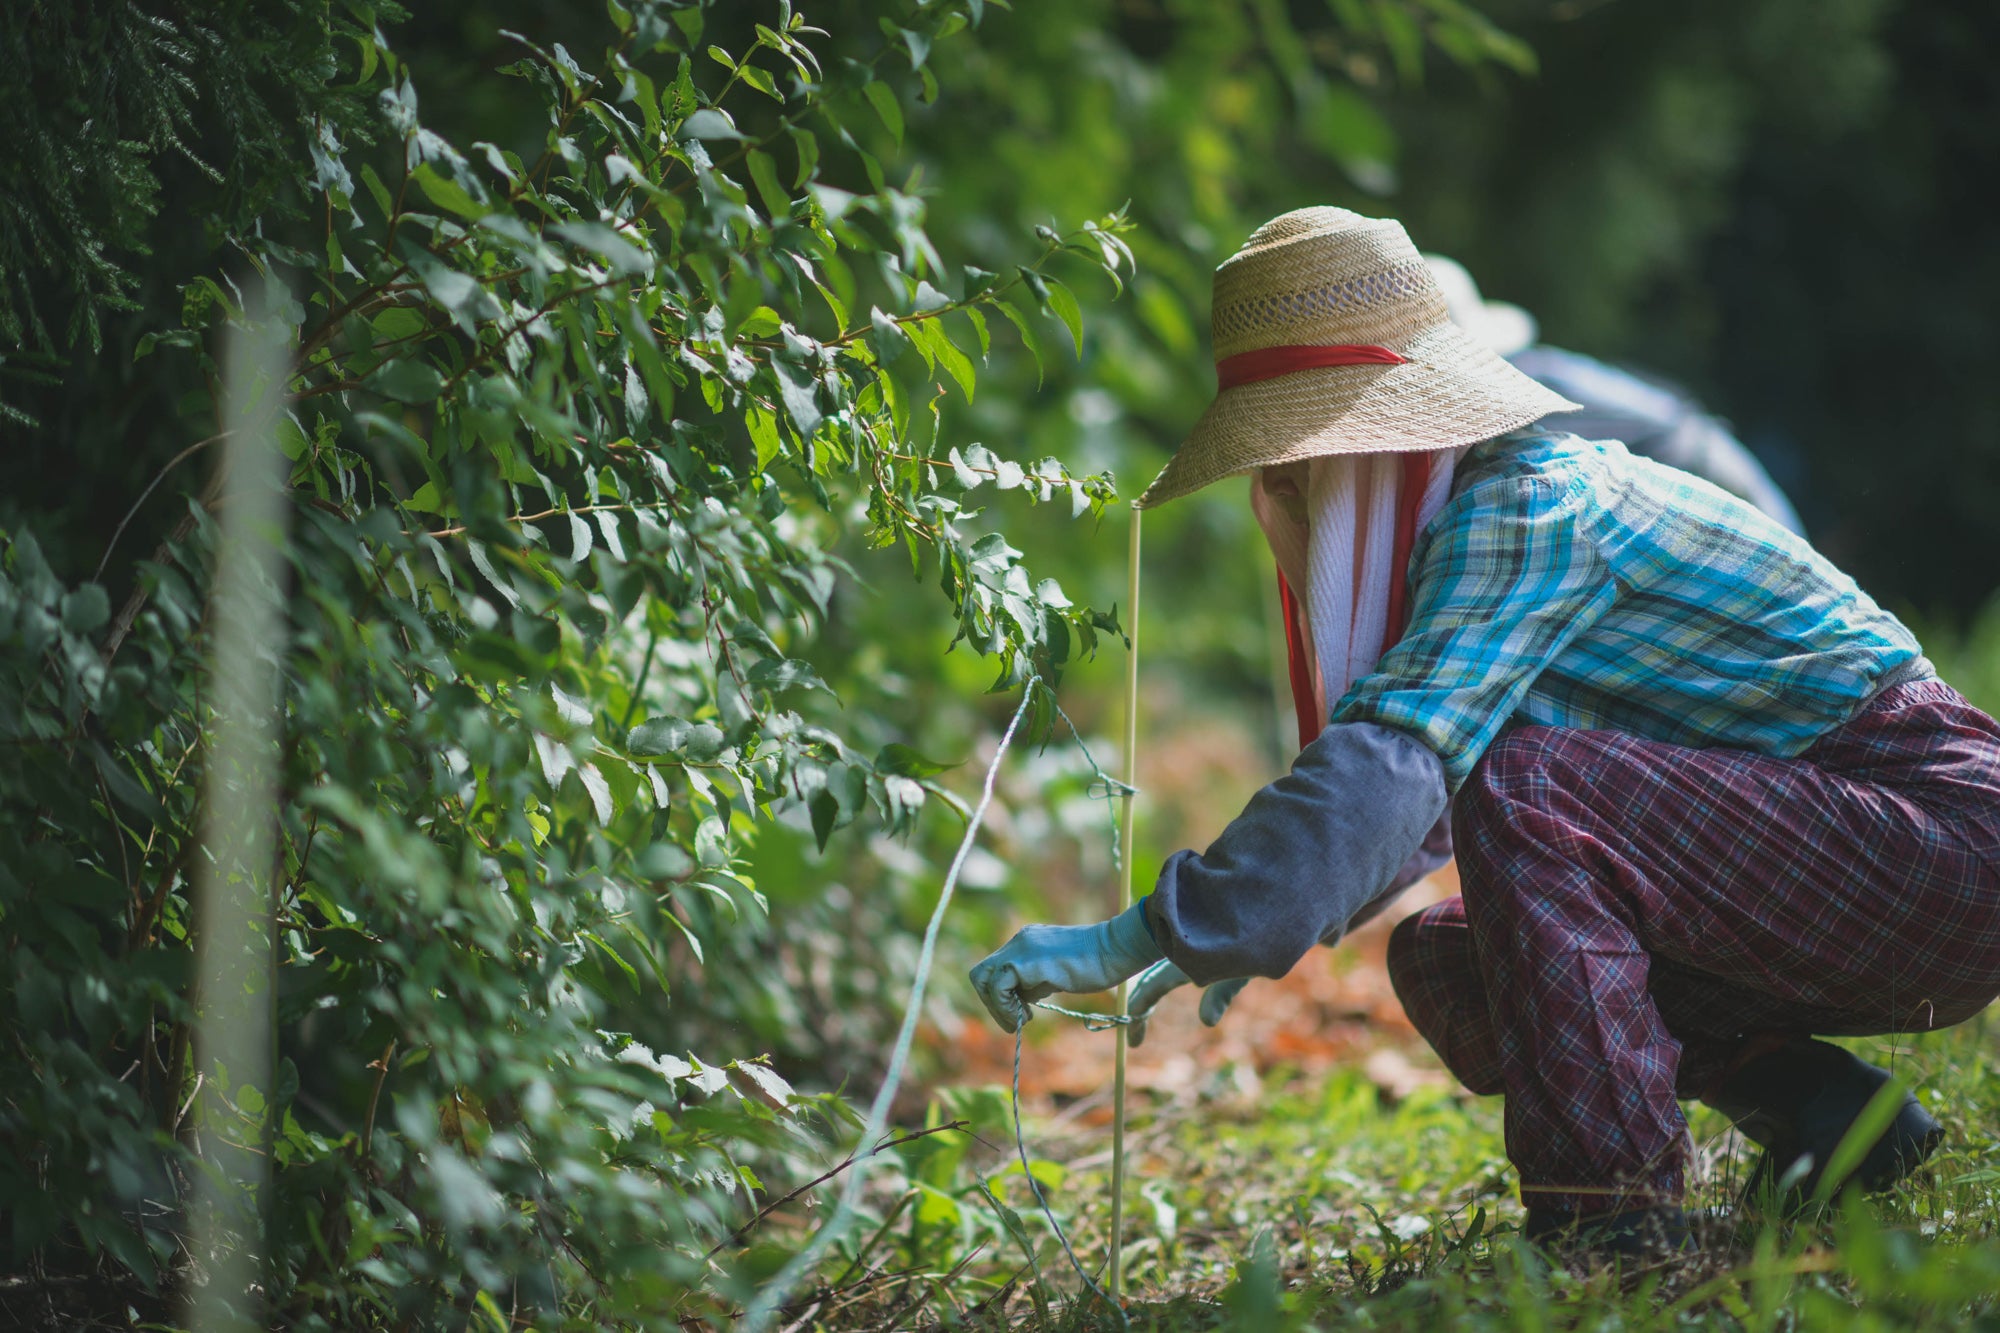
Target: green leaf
710,123
824,807
807,144
764,173
936,1208
767,1082
978,320
1029,338
600,791
761,80
695,742
461,294
763,428
903,761
1404,39
711,843
617,961
448,194
407,381
1062,302
1867,1130
378,191
799,393
962,471
398,322
626,259
85,608
883,98
1011,1222
890,342
785,674
930,335
664,860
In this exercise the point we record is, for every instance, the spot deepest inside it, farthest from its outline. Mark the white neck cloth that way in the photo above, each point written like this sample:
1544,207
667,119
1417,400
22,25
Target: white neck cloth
1340,562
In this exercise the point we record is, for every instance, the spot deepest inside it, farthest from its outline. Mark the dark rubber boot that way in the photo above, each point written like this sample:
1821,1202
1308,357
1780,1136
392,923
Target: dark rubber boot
1800,1099
1636,1235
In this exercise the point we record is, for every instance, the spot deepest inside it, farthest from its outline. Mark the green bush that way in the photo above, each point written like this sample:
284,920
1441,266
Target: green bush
573,440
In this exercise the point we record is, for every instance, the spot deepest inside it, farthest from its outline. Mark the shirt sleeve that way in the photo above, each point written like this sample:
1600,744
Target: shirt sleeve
1506,580
1308,852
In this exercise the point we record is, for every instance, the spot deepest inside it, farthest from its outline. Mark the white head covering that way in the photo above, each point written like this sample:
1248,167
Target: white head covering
1501,325
1340,562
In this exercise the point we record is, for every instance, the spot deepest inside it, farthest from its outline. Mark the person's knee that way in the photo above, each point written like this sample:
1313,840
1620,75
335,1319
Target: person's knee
1406,952
1428,958
1437,980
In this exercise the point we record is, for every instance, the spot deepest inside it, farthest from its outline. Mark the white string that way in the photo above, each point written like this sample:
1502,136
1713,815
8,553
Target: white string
765,1306
1097,1022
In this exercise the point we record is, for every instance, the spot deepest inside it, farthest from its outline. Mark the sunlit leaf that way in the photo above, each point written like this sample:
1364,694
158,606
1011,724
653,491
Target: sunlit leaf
883,98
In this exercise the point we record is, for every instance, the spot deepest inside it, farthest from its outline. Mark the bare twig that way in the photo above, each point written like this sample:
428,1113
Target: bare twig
151,486
558,513
381,1068
129,613
875,1238
821,1179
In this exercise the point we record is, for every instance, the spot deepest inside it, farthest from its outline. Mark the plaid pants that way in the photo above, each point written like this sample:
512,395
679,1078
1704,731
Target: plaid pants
1634,912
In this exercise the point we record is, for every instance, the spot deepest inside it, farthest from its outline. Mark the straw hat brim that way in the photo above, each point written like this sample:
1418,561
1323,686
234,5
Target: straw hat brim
1450,391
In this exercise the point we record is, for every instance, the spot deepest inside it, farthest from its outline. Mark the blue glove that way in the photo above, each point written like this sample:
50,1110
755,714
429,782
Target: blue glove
1162,977
1041,960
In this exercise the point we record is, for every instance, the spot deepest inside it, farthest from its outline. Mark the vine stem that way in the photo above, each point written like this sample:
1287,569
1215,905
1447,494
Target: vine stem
757,1318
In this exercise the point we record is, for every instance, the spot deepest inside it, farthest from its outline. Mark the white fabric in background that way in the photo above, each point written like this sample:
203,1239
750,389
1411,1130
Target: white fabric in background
1340,562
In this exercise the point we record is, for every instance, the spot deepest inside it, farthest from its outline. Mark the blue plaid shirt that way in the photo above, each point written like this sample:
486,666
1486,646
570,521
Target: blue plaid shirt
1570,583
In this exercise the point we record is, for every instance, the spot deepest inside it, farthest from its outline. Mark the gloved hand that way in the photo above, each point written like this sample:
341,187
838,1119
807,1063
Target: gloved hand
1163,976
1041,960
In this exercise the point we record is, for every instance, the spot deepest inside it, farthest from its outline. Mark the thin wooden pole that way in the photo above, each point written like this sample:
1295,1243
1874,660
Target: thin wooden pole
1131,757
236,879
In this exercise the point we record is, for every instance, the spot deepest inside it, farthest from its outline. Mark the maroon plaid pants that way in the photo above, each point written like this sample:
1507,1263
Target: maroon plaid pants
1634,912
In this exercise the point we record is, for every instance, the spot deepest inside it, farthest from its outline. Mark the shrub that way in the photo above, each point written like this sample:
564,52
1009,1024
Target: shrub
572,438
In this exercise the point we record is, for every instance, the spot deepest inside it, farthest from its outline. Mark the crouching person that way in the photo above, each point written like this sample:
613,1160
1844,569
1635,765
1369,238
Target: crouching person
1709,800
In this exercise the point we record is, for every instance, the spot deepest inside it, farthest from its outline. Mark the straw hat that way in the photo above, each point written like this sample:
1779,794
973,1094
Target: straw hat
1314,288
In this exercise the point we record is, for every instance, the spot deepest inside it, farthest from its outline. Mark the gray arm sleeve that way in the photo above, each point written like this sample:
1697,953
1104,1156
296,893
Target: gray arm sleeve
1308,852
1433,853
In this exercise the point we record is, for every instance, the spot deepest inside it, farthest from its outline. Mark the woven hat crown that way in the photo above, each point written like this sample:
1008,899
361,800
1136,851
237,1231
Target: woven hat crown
1326,281
1325,275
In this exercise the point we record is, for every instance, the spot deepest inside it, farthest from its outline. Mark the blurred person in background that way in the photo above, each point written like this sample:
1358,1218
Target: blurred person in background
1648,415
1710,799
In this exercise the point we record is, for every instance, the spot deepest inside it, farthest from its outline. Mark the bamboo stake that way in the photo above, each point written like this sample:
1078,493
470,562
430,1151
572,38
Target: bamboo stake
1131,764
236,878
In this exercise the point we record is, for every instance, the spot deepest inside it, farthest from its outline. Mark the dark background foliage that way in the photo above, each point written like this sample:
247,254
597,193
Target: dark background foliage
1778,203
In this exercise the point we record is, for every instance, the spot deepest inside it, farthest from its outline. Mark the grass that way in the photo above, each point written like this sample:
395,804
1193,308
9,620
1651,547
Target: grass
1290,1203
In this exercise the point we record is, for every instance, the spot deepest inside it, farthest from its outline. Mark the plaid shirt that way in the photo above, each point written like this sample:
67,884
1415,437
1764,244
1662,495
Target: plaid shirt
1569,583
